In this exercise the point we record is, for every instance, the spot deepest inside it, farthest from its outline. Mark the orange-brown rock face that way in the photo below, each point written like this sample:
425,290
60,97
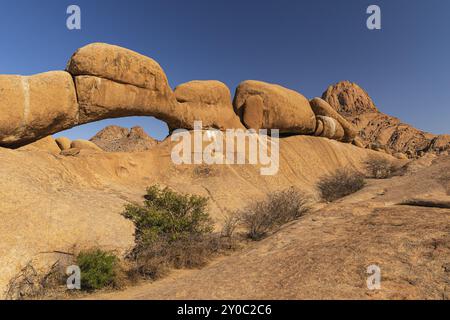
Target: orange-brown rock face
322,108
209,102
116,82
106,81
349,99
118,139
33,107
269,106
377,129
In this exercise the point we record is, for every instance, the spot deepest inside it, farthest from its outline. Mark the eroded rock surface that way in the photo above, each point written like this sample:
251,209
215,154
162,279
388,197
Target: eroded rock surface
33,107
208,101
378,130
263,105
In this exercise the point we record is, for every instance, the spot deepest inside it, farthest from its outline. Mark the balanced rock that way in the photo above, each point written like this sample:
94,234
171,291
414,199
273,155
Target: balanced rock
33,107
208,101
321,108
63,143
262,105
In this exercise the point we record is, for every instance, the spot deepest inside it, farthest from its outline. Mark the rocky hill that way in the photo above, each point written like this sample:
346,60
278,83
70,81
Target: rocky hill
118,139
379,130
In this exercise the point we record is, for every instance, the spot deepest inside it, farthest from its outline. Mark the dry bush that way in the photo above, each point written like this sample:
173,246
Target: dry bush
230,225
263,217
31,284
340,184
193,251
379,167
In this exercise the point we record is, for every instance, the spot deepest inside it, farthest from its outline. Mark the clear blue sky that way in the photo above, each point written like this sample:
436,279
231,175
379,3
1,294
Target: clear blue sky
303,45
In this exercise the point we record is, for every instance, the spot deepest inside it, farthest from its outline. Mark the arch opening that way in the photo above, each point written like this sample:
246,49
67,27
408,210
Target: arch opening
155,128
128,134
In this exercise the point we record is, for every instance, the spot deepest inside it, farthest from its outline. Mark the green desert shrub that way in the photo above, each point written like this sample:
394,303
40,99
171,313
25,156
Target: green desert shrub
99,269
262,217
339,184
172,230
169,215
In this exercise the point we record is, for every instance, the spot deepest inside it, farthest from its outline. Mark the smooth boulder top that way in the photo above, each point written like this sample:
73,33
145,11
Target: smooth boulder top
321,108
118,64
262,105
208,101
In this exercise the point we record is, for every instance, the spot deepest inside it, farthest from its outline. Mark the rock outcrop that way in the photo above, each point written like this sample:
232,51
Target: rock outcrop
376,129
118,139
209,101
116,82
322,108
349,99
33,107
262,105
440,143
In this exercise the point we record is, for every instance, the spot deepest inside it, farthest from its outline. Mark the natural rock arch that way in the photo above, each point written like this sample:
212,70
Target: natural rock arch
102,82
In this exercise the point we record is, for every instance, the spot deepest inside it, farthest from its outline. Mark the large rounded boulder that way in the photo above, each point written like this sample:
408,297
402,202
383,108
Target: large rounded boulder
209,102
263,105
114,82
33,107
